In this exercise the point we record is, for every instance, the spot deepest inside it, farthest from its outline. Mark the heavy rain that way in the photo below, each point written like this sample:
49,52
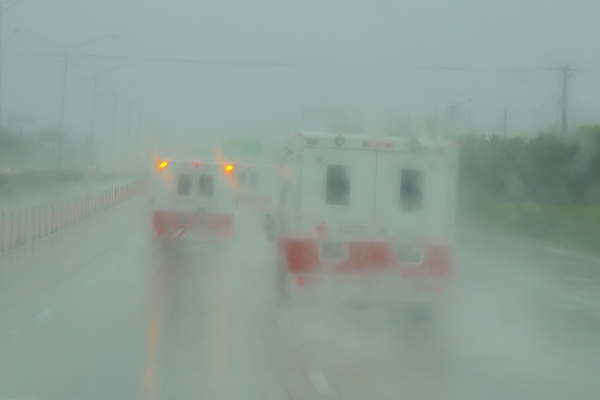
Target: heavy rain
299,199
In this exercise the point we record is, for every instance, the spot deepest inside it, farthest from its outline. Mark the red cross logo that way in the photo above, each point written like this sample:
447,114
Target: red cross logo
322,229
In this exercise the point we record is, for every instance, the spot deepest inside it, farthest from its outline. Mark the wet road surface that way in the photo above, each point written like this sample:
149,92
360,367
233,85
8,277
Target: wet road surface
101,311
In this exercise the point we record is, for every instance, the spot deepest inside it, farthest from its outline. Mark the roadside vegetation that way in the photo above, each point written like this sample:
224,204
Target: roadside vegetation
28,162
546,188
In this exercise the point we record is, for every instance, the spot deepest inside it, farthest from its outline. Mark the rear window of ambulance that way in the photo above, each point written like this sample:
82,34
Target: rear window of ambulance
185,184
411,189
206,185
338,185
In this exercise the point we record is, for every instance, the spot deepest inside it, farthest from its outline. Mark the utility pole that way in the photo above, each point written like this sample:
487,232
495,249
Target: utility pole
94,120
114,134
566,75
505,120
128,139
1,15
66,50
114,127
62,112
1,6
469,127
98,75
557,114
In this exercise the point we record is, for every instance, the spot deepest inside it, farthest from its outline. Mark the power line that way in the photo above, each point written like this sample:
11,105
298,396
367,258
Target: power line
12,5
199,61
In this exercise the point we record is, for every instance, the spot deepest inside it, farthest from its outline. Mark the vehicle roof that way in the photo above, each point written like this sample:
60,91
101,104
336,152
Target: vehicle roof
192,162
372,142
372,138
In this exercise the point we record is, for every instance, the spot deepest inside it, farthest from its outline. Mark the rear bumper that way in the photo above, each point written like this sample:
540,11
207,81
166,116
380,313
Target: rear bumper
371,288
201,225
371,271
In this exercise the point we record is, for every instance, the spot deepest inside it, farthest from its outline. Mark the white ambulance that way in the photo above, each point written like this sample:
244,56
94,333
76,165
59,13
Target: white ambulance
254,184
366,218
193,198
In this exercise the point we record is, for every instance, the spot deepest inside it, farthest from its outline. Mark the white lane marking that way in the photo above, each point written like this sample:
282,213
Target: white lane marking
321,384
45,314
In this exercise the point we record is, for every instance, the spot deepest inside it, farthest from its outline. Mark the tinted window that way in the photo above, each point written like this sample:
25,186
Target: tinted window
253,179
242,178
338,185
185,184
206,185
411,189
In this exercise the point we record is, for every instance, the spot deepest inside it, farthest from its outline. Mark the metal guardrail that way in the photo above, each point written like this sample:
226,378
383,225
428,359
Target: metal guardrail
26,181
23,225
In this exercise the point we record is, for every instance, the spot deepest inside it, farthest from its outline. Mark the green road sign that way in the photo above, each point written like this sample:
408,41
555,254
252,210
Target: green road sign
241,149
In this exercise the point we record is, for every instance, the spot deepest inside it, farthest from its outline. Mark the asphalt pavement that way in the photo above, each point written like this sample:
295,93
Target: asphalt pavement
101,310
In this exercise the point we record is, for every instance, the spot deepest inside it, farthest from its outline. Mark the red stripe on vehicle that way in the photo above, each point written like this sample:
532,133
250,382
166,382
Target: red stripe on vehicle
302,256
221,222
437,263
367,256
173,220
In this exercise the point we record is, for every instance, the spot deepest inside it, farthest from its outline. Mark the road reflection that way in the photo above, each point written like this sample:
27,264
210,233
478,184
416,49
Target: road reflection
205,337
188,324
159,284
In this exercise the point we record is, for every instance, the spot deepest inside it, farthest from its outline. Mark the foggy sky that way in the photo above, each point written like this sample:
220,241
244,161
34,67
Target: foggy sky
352,55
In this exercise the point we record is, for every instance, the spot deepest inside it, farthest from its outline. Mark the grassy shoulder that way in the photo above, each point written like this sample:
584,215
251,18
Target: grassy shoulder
573,227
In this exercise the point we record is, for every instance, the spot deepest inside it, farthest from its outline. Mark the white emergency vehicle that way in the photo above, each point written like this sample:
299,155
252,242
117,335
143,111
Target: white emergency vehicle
366,218
193,198
254,184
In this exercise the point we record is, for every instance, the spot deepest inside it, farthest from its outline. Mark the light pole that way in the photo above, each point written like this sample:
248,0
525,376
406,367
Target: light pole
94,100
1,13
114,127
66,50
566,75
114,135
469,127
2,10
62,111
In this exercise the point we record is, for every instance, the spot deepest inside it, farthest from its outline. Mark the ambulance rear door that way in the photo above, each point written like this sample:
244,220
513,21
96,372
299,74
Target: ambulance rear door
401,200
206,191
337,193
